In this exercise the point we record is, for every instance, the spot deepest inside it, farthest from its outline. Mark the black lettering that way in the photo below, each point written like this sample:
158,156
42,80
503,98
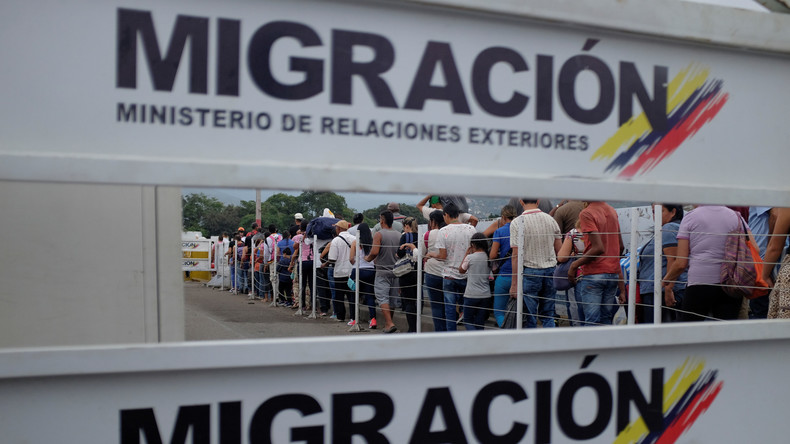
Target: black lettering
236,118
289,122
267,121
259,54
228,56
261,422
219,118
326,125
480,409
344,67
343,426
456,134
567,89
196,417
559,141
230,422
437,54
438,399
481,79
163,71
544,89
583,140
127,113
186,116
603,407
158,114
628,391
542,412
631,83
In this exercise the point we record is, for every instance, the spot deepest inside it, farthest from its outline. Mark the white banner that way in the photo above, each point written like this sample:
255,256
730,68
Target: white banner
382,96
619,385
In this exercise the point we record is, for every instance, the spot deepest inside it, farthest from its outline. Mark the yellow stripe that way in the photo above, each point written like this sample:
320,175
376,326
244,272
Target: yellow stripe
678,91
674,388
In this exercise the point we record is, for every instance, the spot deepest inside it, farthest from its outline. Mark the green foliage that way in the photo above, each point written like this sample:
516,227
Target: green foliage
372,214
209,216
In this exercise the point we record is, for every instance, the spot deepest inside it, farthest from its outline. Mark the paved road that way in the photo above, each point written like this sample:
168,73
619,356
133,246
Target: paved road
211,314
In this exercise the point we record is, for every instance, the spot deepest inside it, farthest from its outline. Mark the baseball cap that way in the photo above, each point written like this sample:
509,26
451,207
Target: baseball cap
342,224
241,229
298,216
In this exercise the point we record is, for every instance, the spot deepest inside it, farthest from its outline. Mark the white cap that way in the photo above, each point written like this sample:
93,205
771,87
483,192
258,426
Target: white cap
298,216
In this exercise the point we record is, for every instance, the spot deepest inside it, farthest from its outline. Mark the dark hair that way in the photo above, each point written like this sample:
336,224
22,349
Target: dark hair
303,226
437,216
286,234
388,217
287,251
365,237
272,228
479,242
359,218
529,200
452,210
678,211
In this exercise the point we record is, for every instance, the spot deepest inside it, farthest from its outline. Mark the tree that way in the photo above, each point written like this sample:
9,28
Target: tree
372,214
312,204
196,208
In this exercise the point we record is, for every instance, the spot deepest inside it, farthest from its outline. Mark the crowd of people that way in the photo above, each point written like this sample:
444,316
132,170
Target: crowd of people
569,255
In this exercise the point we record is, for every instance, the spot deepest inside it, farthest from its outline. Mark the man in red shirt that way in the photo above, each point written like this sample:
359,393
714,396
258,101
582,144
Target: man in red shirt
599,267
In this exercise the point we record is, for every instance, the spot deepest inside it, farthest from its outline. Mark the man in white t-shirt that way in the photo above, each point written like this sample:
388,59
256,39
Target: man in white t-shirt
338,256
536,237
453,241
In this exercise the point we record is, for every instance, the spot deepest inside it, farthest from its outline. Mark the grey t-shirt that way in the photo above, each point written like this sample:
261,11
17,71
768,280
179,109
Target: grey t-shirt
477,276
390,241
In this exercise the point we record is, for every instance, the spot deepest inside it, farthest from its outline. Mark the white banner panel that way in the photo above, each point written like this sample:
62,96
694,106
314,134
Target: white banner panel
391,96
620,385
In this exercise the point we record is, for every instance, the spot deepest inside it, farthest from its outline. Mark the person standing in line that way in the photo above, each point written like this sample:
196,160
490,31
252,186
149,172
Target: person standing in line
434,267
408,282
339,259
701,239
286,296
452,243
501,253
779,298
476,267
536,237
429,204
303,253
367,270
397,218
600,264
385,246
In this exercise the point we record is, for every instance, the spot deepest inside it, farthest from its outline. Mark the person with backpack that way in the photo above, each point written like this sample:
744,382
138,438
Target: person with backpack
284,278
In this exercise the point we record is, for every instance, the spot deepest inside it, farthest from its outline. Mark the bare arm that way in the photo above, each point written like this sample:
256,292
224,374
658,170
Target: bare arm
374,250
596,249
678,265
514,264
777,241
565,252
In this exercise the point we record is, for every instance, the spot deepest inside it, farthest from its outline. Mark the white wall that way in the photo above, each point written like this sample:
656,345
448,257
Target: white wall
89,264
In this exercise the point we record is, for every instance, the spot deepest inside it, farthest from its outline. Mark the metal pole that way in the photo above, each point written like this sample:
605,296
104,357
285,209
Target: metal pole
273,278
356,326
315,274
252,270
300,311
520,287
632,267
221,266
658,247
418,258
258,208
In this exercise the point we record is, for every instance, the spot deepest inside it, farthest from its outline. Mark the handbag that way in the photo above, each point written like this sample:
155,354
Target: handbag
742,267
352,285
402,266
561,282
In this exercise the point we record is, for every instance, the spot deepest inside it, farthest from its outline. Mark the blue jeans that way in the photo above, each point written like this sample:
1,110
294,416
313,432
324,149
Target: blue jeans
598,295
367,277
475,313
501,297
539,293
453,295
434,286
244,279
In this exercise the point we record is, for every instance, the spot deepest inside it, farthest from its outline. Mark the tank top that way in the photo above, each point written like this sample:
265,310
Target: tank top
390,241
